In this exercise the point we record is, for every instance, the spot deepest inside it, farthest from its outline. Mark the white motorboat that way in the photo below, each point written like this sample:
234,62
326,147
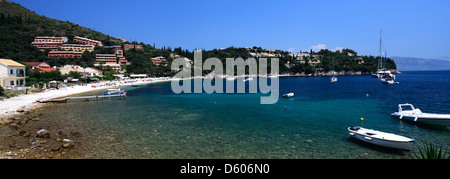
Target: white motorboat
288,95
231,78
389,81
381,138
408,112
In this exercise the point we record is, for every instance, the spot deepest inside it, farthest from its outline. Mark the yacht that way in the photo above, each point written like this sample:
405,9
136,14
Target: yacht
382,72
334,78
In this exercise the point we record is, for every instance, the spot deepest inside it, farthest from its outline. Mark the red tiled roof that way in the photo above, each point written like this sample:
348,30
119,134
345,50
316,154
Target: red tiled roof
96,69
44,69
33,63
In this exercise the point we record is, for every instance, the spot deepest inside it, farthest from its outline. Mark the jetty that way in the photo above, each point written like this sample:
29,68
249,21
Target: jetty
83,98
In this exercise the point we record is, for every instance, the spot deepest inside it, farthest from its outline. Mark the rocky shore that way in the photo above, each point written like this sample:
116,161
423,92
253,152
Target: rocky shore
28,136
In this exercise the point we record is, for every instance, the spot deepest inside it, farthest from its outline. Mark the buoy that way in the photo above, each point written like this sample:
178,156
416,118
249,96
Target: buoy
367,95
285,107
362,119
214,102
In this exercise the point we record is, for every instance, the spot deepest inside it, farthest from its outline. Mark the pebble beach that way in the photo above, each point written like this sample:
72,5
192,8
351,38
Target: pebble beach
26,133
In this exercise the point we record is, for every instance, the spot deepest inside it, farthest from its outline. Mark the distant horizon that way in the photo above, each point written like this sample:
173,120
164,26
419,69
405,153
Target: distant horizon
410,29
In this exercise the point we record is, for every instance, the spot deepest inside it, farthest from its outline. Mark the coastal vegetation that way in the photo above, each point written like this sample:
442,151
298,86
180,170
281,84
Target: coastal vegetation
431,151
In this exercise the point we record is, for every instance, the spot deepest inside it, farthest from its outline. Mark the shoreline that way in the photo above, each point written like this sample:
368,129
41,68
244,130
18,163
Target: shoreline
23,103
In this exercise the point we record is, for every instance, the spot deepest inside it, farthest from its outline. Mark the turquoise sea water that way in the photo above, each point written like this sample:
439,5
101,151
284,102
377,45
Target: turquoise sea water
153,122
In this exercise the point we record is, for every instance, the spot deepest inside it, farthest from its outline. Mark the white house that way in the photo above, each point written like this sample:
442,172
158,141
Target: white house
84,72
91,72
12,74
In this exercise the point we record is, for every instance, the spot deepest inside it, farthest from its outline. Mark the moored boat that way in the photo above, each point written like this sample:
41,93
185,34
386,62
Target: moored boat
408,112
114,91
389,81
381,138
247,79
334,79
231,78
288,95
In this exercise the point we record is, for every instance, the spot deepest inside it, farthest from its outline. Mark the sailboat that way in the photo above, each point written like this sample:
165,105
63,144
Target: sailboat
334,78
382,72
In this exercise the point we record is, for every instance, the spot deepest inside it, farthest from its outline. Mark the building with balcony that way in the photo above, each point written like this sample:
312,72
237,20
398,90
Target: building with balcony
77,47
123,61
12,74
105,58
43,46
114,47
131,46
45,39
52,43
158,60
87,41
65,54
116,67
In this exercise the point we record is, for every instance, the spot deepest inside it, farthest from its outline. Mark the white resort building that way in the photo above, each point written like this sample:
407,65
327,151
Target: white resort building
12,74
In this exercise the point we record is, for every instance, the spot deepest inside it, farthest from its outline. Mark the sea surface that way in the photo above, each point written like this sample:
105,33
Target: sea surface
154,122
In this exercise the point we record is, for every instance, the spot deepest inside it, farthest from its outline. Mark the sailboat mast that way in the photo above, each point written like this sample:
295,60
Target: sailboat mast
380,63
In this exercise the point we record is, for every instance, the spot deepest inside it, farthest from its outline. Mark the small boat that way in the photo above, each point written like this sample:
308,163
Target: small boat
408,112
334,79
388,81
288,95
114,91
231,78
381,138
247,79
381,73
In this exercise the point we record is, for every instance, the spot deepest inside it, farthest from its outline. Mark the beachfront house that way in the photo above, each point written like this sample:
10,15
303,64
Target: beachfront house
12,74
158,60
39,66
84,72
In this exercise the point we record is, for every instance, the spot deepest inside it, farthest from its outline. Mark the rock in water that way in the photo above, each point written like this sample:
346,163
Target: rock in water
43,133
68,143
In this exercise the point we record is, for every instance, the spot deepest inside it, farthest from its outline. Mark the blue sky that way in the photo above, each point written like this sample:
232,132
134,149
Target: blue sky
411,28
